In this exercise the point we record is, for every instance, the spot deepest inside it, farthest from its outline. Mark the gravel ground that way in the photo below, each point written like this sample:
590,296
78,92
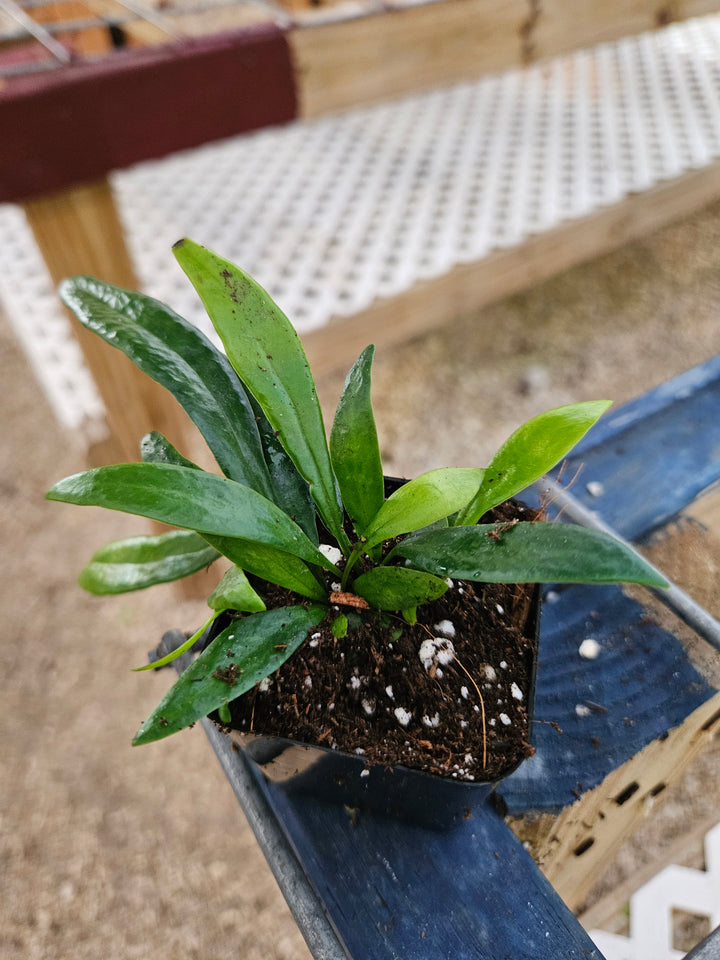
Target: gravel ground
124,853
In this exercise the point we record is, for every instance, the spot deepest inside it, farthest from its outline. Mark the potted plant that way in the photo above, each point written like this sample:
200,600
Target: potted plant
390,622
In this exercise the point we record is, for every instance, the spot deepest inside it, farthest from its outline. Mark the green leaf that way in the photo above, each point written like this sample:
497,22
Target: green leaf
422,501
182,359
271,564
354,446
238,658
398,588
235,593
139,562
178,651
189,498
527,553
155,448
290,491
264,348
534,449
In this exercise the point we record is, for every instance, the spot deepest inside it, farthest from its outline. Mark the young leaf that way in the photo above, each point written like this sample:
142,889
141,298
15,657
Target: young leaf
189,498
182,359
354,446
178,651
139,562
527,553
271,564
235,593
155,448
238,658
264,348
398,588
534,449
422,501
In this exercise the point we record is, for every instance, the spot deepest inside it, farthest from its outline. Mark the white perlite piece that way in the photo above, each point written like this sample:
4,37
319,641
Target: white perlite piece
516,691
464,693
330,552
308,681
264,685
490,672
595,488
436,650
402,716
389,691
505,719
582,711
446,628
589,649
369,707
433,721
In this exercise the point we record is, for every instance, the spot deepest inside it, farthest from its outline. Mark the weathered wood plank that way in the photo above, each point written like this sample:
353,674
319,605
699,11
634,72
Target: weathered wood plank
429,304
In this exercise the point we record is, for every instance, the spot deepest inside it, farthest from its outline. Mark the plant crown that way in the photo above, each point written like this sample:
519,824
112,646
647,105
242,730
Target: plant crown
283,484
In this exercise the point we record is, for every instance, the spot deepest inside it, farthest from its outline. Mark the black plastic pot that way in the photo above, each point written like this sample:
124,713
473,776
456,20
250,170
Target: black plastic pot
332,776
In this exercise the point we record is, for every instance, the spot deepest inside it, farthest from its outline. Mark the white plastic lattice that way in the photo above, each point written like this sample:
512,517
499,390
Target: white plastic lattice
331,214
651,909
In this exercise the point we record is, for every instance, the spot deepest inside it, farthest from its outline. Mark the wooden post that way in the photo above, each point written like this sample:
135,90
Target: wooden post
78,231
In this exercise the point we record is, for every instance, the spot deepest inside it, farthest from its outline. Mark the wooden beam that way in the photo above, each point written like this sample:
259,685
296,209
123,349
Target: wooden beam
374,58
78,231
466,288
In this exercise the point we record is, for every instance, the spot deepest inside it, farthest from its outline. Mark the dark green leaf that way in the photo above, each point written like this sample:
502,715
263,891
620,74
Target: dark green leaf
235,593
189,498
290,491
264,348
139,562
181,358
271,564
422,501
398,588
534,449
238,658
354,446
155,448
527,553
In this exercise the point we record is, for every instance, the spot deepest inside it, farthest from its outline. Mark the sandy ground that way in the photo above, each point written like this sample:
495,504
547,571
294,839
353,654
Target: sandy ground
109,851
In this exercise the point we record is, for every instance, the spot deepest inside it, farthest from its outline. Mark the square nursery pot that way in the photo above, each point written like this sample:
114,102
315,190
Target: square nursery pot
338,776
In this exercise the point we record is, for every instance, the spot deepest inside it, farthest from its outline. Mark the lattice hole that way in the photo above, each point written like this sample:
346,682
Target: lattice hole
689,929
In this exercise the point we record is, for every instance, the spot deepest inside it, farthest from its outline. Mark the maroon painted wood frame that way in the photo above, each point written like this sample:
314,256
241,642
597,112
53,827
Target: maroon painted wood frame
77,123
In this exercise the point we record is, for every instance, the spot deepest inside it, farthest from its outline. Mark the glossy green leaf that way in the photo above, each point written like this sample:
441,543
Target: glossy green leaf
422,501
527,553
398,588
238,658
188,498
234,592
271,564
139,562
532,450
182,359
290,490
155,448
354,446
264,348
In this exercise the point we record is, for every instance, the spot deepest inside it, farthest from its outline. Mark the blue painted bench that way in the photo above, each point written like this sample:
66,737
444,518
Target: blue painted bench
376,890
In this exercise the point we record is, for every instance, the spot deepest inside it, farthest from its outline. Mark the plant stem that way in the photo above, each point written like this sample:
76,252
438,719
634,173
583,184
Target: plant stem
351,561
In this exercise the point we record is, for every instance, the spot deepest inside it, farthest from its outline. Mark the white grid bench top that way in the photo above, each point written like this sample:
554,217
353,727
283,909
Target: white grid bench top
332,214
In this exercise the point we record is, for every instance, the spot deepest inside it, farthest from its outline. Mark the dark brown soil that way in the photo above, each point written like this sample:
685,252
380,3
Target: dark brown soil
448,694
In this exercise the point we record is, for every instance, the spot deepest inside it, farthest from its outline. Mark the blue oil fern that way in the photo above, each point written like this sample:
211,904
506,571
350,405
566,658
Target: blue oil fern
282,482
